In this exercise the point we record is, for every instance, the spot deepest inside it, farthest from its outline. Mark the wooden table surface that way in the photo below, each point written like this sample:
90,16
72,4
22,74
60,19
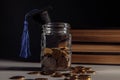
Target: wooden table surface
14,68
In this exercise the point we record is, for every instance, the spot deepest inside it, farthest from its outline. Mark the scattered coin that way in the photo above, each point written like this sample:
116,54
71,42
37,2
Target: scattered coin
84,77
56,74
82,70
66,74
78,69
34,73
88,68
46,72
67,78
76,73
41,78
18,77
78,77
91,72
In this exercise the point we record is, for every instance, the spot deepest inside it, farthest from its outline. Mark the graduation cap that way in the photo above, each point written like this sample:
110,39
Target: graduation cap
39,16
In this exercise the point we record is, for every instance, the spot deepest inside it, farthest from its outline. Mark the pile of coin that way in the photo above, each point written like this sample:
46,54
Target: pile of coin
76,73
55,59
82,70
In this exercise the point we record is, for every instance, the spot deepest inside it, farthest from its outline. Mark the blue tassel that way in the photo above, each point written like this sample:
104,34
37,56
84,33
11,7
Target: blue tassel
25,47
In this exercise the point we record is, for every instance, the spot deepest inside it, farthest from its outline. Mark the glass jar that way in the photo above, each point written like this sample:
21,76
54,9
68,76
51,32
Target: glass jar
56,47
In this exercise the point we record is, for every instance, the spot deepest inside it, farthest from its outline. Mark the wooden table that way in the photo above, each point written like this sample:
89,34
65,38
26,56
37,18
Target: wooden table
14,68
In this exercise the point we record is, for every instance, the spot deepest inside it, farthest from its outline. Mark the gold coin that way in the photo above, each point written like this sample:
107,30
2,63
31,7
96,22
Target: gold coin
67,78
90,72
88,68
78,69
41,78
66,74
63,48
46,72
18,77
56,74
48,51
34,72
84,77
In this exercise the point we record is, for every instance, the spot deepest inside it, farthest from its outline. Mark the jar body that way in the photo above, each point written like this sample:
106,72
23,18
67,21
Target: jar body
56,47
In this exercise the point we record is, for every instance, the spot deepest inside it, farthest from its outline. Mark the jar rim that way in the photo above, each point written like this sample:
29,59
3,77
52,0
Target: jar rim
57,25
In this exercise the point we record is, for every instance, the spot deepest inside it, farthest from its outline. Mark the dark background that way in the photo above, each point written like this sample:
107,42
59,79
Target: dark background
85,14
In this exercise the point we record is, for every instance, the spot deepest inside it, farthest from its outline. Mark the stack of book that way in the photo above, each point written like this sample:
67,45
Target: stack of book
99,46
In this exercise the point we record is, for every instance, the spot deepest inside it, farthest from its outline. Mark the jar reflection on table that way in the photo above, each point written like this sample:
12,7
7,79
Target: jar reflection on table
56,46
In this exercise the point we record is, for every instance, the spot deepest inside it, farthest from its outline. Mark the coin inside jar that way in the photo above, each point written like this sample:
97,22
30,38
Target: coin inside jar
17,77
